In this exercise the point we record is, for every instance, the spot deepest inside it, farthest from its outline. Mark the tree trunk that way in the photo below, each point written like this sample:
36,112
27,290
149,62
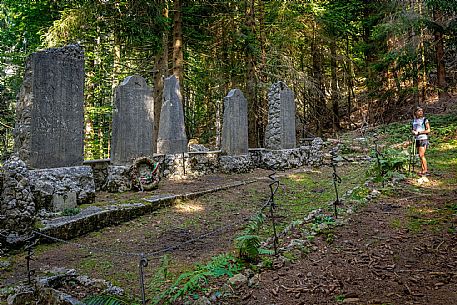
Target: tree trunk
439,49
160,71
350,82
251,81
423,61
319,101
334,86
178,57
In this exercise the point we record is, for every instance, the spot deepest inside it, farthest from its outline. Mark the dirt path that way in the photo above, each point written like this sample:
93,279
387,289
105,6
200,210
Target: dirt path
400,250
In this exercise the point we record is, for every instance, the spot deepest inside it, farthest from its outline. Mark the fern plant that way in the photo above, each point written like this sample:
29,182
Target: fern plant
194,280
161,275
104,300
248,244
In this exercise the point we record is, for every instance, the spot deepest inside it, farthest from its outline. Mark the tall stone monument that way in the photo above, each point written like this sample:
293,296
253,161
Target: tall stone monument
235,124
133,121
172,137
280,131
50,109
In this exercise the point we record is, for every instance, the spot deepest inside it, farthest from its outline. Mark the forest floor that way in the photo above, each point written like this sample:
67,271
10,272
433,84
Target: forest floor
397,248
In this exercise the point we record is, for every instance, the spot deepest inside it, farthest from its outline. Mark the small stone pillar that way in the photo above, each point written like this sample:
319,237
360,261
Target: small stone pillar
133,121
280,131
17,208
50,109
235,124
172,137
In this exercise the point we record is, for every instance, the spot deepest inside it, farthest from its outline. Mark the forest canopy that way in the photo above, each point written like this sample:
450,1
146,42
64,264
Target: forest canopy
350,63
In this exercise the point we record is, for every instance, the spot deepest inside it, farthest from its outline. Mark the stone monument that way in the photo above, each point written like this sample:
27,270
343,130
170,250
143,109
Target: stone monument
50,109
172,137
133,121
235,124
280,131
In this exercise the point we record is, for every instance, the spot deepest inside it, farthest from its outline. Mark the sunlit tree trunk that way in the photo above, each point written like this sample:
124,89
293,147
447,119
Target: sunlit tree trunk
160,71
178,57
251,79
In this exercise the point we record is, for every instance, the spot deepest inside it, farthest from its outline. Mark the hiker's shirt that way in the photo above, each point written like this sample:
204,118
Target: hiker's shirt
419,126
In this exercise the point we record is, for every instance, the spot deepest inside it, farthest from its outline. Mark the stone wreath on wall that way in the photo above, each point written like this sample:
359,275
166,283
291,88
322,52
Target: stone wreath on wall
144,174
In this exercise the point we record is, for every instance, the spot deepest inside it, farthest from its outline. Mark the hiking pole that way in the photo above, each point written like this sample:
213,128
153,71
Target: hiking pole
411,155
414,152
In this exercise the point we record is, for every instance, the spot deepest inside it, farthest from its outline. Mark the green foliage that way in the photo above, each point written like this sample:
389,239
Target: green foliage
360,193
287,40
322,219
389,164
105,300
71,211
443,127
161,276
396,132
189,282
248,244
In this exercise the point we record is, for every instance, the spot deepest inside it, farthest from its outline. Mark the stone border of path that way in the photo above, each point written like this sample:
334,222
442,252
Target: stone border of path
95,218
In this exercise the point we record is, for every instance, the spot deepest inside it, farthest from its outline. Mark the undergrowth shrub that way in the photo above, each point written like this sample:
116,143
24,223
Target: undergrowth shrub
191,281
104,300
248,244
389,164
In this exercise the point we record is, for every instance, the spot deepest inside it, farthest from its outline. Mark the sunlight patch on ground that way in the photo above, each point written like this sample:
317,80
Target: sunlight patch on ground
424,210
189,207
297,177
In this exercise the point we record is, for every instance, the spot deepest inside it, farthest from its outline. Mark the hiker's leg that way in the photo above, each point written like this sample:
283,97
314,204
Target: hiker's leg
421,151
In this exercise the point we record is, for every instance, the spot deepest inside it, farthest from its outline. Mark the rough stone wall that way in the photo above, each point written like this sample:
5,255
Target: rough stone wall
17,208
208,162
47,183
100,171
195,164
117,180
50,109
236,164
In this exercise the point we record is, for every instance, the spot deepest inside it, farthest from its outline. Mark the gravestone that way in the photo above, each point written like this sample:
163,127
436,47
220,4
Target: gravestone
235,124
280,131
133,121
50,109
172,137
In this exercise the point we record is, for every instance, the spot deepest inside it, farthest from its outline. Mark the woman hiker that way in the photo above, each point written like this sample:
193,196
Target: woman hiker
421,127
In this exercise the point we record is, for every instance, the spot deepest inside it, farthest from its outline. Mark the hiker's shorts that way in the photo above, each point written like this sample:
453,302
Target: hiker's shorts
422,143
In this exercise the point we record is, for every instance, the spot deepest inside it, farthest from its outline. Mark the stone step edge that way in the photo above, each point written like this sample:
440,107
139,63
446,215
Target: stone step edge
115,215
